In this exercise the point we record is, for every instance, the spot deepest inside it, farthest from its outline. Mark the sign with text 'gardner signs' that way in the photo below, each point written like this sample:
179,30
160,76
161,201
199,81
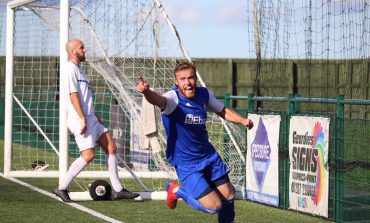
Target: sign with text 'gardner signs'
308,152
262,159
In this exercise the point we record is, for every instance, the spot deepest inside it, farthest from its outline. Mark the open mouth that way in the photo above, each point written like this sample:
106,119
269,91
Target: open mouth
189,88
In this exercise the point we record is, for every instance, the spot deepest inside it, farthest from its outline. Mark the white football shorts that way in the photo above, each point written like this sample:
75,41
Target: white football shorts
94,130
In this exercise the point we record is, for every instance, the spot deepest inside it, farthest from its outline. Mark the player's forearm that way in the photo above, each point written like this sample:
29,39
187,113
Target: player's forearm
77,105
232,116
154,98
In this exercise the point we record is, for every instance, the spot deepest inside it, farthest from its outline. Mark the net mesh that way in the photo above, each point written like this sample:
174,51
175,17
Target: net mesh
124,40
311,47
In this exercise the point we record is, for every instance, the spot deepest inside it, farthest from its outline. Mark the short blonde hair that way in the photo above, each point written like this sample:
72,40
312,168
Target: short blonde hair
184,65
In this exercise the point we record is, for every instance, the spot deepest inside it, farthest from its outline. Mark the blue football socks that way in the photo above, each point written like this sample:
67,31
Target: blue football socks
181,193
227,214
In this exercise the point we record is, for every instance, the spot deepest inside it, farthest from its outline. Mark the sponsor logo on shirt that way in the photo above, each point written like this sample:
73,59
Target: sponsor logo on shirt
86,82
194,119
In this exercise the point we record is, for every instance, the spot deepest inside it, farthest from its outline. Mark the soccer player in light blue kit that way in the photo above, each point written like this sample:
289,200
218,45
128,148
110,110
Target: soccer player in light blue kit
205,184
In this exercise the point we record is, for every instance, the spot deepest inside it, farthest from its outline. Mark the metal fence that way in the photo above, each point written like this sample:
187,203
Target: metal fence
349,150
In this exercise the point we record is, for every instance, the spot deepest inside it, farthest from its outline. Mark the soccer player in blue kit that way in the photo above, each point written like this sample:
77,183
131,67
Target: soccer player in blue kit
205,184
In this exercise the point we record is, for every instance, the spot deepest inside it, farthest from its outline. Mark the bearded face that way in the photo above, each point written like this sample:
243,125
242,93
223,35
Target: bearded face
186,82
79,51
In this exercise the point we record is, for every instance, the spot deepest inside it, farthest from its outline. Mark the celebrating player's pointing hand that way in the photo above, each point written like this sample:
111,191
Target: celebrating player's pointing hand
142,85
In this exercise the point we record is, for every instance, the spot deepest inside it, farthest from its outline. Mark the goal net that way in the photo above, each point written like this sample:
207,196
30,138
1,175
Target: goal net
313,48
124,40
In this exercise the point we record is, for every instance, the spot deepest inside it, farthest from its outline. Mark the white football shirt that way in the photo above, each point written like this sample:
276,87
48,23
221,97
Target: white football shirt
78,81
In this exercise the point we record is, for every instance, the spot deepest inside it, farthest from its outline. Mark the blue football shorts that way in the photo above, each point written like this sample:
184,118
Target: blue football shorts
199,179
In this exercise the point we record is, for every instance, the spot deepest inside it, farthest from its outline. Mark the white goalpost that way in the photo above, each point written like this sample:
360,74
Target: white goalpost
124,39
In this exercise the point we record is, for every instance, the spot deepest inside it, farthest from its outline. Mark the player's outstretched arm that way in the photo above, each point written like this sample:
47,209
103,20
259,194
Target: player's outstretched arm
232,116
151,96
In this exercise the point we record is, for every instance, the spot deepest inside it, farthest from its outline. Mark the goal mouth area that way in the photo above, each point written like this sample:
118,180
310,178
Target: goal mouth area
85,195
92,174
146,195
36,118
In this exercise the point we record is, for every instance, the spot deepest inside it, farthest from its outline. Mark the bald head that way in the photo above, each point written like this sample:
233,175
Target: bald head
76,50
71,44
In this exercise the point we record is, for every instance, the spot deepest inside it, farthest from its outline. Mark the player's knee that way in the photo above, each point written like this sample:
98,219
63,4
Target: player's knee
212,211
214,206
88,156
228,194
112,148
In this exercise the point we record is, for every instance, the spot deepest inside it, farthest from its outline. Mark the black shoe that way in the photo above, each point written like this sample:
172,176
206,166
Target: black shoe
124,194
63,194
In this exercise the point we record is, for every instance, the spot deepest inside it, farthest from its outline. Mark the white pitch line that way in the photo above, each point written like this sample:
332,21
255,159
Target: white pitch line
75,205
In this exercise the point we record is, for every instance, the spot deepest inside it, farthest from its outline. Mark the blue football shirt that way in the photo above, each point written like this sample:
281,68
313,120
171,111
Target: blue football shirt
184,121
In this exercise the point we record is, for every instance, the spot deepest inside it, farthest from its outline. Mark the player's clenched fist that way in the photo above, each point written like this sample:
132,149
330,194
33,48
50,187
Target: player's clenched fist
248,123
142,86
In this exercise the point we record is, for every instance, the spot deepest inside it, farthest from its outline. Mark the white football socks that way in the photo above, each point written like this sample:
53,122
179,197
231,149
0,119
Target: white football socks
113,172
77,166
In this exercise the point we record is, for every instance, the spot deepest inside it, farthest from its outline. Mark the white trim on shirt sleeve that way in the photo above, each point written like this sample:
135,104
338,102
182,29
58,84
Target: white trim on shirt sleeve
214,105
172,102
